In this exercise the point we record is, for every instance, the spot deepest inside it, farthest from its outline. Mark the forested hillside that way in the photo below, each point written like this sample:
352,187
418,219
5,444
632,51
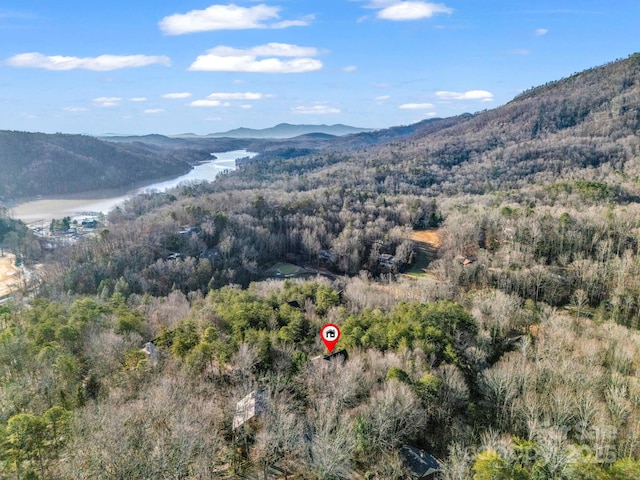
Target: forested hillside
508,350
581,123
40,164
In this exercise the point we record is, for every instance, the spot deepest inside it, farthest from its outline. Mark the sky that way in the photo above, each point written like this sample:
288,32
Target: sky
172,67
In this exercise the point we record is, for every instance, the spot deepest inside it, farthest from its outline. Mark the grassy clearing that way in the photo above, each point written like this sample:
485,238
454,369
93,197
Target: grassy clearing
283,270
419,268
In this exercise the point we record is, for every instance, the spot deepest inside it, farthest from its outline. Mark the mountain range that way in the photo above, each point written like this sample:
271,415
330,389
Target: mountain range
287,130
582,122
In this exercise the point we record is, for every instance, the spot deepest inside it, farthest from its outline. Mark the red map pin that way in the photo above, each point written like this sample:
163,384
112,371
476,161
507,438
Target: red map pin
330,334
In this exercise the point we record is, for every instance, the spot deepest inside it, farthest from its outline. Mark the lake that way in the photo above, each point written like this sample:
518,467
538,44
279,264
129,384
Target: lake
80,205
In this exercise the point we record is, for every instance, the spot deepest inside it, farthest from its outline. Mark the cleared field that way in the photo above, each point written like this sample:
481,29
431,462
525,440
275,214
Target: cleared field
432,237
427,243
9,274
284,270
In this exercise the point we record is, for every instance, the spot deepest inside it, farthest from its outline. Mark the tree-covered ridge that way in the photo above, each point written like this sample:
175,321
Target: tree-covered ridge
570,128
40,164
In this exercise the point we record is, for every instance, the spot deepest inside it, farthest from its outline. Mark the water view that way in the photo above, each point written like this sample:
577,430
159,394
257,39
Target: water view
47,209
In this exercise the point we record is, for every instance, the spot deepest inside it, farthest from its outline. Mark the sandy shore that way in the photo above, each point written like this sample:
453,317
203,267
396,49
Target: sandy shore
46,210
9,274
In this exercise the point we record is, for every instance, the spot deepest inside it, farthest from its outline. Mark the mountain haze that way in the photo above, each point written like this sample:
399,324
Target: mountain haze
287,130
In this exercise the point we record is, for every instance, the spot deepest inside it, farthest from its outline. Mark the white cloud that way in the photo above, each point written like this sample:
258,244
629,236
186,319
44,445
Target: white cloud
227,17
541,31
268,49
228,59
481,95
315,110
138,99
350,68
75,109
101,63
407,10
205,103
246,107
416,106
177,95
238,96
382,98
107,101
154,110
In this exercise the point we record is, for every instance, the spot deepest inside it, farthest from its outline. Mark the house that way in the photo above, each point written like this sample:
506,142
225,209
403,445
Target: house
89,223
152,353
187,229
419,464
250,408
387,260
340,355
327,256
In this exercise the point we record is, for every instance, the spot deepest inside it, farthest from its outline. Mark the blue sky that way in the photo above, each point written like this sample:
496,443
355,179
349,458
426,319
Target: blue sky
149,66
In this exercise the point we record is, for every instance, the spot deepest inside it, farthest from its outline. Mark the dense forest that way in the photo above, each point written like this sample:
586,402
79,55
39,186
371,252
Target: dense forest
509,349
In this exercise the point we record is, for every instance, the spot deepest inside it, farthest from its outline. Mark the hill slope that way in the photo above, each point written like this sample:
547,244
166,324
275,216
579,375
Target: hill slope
582,122
41,164
577,124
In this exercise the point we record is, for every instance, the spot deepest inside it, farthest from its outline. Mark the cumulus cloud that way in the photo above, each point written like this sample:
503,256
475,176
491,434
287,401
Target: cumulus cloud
541,31
350,68
101,63
206,103
228,59
107,101
154,110
237,96
407,10
138,99
315,110
75,109
382,98
416,106
177,95
481,95
227,17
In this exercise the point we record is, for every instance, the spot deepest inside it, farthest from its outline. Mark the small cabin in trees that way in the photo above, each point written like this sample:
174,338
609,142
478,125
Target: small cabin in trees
250,408
387,260
152,353
419,464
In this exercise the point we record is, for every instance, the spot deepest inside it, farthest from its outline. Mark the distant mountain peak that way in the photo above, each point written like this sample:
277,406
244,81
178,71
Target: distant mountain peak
288,130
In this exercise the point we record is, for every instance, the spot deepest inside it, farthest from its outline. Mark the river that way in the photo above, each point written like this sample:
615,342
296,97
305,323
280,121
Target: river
81,205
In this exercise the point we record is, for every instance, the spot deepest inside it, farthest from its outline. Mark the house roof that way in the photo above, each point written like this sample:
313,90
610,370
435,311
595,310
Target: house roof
253,405
420,463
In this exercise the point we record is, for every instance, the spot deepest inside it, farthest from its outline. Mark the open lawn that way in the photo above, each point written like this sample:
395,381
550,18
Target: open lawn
419,268
283,270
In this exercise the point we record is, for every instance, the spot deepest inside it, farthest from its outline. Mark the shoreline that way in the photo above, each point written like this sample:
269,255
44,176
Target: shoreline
89,203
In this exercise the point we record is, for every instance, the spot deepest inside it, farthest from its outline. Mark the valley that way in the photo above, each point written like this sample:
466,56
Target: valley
483,270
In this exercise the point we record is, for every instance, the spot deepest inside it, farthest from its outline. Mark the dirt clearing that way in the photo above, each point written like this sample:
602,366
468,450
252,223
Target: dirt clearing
9,274
432,237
